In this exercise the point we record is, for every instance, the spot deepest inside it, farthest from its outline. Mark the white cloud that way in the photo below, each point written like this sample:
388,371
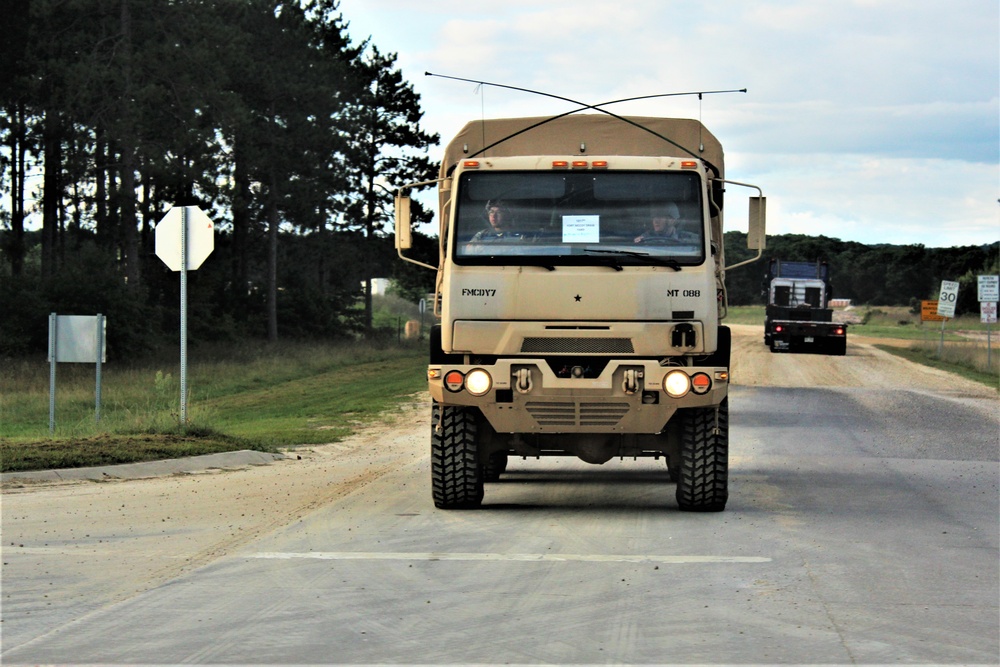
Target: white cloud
868,120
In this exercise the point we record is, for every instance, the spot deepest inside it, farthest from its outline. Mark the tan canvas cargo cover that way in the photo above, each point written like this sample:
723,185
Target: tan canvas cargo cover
599,134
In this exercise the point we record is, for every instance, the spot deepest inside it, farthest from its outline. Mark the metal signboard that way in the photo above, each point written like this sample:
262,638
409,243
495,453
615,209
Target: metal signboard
928,312
77,338
200,236
948,298
989,288
988,312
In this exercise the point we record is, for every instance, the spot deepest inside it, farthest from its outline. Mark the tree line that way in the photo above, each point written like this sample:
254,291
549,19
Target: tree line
264,113
293,137
874,275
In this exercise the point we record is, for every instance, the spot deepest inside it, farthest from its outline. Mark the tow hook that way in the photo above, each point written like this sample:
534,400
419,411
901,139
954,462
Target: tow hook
630,384
522,380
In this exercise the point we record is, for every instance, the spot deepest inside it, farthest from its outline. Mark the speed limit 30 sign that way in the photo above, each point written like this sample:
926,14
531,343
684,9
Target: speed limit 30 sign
947,298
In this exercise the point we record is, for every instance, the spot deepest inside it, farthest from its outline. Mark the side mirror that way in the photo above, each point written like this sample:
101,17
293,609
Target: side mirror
402,206
756,235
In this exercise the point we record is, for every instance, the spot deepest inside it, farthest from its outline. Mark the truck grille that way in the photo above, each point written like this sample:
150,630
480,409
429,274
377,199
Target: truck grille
577,414
538,345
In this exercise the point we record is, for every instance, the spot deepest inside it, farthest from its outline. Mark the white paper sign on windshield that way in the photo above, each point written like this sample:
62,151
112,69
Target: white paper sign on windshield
581,229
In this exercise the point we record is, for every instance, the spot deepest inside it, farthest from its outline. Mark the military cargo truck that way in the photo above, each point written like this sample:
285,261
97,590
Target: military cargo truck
798,317
580,290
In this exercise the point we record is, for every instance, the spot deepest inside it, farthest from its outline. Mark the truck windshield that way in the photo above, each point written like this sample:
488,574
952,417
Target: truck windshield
553,218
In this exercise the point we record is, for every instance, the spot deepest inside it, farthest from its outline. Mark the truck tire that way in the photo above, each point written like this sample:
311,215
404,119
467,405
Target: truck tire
456,476
703,484
673,469
495,466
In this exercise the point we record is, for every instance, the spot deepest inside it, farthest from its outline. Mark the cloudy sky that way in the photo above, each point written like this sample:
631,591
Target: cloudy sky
866,120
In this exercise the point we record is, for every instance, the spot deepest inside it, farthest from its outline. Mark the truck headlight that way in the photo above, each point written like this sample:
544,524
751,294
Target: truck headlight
478,382
676,384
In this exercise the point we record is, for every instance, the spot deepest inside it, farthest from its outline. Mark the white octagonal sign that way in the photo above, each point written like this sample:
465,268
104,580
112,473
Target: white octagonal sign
200,237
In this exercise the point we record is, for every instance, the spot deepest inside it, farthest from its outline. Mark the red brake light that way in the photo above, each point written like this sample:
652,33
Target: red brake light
700,383
454,380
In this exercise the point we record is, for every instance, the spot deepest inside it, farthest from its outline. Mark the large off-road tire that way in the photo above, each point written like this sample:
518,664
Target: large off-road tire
456,476
673,469
495,466
703,484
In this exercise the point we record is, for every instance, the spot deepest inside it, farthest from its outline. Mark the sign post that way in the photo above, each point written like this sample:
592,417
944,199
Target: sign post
76,339
946,306
184,238
989,295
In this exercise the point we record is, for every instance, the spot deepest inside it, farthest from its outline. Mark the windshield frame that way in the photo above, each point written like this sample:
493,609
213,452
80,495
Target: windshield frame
586,218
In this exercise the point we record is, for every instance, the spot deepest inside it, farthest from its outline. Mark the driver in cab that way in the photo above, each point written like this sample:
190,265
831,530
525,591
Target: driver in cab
499,231
663,222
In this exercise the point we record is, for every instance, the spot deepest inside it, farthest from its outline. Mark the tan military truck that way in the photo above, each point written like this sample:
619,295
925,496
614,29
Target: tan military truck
580,290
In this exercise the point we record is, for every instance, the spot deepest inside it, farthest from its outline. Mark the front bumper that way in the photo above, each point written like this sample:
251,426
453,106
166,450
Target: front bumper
629,396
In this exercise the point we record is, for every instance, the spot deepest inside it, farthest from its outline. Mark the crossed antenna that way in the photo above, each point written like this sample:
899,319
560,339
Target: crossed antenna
584,106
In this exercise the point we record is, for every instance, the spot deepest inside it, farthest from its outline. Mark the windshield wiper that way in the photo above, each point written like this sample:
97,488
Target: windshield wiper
536,262
644,256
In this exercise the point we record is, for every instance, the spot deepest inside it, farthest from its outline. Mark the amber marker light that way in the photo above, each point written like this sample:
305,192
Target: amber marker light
580,164
689,164
599,164
559,164
471,164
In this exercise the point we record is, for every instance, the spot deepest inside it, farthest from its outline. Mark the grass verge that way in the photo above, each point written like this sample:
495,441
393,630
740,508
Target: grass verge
255,397
960,362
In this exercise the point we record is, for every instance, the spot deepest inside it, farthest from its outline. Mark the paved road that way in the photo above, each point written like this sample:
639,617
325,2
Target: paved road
862,528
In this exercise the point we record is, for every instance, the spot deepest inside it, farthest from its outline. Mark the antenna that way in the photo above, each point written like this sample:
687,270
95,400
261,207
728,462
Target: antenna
584,106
